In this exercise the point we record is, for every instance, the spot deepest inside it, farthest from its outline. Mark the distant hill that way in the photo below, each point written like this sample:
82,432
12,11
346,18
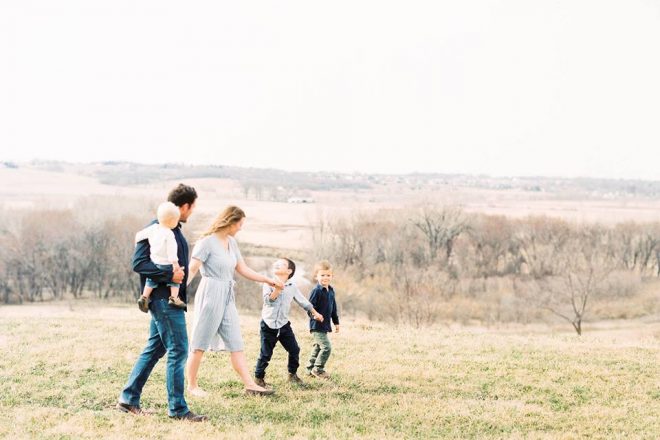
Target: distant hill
130,173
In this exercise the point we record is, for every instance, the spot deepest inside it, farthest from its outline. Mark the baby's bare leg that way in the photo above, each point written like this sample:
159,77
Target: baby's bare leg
147,291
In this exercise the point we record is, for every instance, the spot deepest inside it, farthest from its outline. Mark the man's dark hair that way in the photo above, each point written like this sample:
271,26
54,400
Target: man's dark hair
291,265
182,194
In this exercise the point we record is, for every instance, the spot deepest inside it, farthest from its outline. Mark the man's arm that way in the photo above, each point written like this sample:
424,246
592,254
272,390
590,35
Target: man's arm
143,265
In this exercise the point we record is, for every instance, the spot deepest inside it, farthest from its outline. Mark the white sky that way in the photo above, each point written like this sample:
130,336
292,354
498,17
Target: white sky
565,88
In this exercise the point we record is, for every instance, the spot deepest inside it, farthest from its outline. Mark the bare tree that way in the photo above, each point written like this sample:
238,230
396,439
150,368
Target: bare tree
637,247
539,240
441,227
5,286
245,188
494,249
648,245
583,270
349,241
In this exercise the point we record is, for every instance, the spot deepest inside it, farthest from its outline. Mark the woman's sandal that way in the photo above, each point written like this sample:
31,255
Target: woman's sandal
250,392
197,392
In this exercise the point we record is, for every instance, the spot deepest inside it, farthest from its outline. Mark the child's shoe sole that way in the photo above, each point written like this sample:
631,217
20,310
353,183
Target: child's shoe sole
177,304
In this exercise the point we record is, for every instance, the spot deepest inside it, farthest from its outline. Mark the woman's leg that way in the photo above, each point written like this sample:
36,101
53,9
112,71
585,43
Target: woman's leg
239,363
194,360
230,332
268,342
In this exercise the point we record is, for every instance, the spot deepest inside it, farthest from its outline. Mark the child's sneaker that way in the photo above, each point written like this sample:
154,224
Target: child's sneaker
143,304
320,374
176,302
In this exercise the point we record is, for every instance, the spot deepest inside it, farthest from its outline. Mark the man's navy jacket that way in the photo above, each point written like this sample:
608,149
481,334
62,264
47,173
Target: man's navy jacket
143,265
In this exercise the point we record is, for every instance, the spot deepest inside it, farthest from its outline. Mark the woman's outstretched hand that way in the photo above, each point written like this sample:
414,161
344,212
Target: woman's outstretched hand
275,283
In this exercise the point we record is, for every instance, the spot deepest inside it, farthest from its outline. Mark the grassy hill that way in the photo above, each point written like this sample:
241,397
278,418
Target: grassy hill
62,367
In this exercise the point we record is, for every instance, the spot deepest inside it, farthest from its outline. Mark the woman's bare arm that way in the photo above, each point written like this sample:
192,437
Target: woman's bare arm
193,268
250,274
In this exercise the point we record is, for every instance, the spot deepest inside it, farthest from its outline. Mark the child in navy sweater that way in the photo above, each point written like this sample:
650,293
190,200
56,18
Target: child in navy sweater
322,298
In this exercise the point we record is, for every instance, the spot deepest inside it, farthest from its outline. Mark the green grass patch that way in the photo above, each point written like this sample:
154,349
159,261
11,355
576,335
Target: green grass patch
61,372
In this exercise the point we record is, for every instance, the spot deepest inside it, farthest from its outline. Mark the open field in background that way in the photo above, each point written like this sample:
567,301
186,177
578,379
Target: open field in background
63,365
485,270
289,226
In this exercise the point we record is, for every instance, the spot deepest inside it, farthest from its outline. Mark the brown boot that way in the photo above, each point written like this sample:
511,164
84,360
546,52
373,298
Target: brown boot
191,417
260,381
130,409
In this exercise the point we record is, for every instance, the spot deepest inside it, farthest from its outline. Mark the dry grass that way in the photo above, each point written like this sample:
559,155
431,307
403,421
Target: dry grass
62,367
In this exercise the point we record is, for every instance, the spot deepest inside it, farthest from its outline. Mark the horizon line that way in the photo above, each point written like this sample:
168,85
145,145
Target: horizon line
334,172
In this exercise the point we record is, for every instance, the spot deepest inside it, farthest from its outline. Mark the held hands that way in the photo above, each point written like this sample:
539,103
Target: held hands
177,276
277,284
317,316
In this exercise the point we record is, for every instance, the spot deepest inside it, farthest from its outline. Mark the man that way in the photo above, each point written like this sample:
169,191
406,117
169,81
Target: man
167,332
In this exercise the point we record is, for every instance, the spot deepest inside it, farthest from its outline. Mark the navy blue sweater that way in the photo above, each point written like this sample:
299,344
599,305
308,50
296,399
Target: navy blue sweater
324,302
143,265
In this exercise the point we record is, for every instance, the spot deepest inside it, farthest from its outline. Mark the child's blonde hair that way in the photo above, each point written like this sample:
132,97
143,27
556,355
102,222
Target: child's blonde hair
168,215
322,265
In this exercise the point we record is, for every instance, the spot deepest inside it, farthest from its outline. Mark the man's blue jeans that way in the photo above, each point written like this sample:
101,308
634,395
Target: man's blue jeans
167,334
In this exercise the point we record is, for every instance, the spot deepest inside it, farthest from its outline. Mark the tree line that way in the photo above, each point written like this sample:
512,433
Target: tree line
415,266
421,265
51,253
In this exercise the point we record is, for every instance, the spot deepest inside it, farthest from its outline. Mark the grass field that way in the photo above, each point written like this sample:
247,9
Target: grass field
62,367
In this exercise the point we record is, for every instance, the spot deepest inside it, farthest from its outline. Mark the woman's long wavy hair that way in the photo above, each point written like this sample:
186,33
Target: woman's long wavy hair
229,216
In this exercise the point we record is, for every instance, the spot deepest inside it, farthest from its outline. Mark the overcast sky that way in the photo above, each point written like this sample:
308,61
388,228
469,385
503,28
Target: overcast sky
565,88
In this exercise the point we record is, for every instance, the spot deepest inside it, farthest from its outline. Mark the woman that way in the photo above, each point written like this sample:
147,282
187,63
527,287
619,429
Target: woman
216,324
